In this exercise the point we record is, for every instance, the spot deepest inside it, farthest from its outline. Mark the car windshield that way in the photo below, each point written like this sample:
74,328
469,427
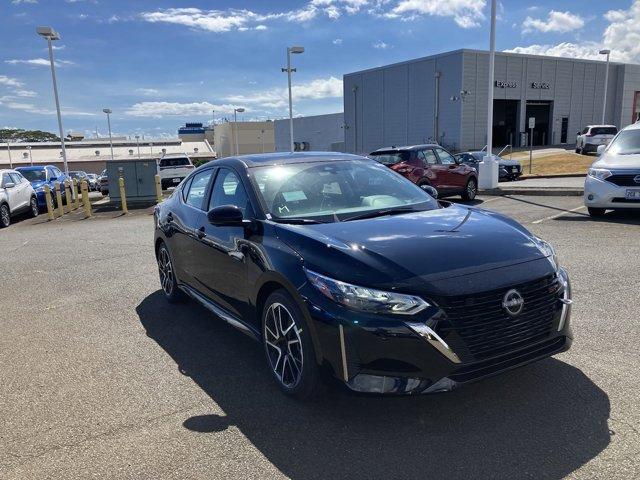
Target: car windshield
336,190
604,130
626,143
390,158
174,162
34,175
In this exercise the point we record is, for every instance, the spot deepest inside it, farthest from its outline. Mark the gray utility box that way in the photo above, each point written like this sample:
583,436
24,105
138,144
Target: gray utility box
139,179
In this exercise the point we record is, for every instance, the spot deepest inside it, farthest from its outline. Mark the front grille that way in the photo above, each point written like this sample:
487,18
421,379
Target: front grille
478,327
624,179
625,200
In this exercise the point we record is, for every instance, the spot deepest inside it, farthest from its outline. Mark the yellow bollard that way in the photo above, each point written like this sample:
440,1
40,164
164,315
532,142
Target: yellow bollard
85,199
56,186
48,199
74,205
68,204
158,189
123,195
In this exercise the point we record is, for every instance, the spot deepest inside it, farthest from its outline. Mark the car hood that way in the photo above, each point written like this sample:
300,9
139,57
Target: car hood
398,251
618,161
503,162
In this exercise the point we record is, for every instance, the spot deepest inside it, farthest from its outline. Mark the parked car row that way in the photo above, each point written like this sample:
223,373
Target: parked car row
16,196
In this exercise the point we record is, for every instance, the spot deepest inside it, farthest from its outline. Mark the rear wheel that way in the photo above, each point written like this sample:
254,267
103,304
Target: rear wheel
5,216
33,207
167,274
596,212
471,190
288,347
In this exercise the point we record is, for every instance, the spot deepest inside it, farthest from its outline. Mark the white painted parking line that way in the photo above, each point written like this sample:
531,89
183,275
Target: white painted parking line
552,217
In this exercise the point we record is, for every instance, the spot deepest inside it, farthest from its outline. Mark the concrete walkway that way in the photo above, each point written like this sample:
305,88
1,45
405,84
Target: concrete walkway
559,186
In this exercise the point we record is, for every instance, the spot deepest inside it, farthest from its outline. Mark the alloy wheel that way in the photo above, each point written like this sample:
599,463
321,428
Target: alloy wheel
5,219
166,271
471,189
34,207
283,344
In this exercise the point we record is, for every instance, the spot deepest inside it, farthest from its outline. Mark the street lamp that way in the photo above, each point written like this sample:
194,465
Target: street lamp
606,82
289,70
50,34
30,157
138,144
109,112
235,126
488,174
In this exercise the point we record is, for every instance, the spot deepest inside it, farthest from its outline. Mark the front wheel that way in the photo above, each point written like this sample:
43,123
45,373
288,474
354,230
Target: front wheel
596,212
471,190
288,347
5,216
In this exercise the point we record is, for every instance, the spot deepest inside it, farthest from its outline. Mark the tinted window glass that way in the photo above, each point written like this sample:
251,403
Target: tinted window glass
604,131
6,179
627,142
16,178
174,162
390,158
34,175
427,157
198,188
228,190
445,157
335,190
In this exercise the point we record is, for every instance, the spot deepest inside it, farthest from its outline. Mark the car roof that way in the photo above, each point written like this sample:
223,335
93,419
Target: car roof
286,158
7,170
597,126
407,147
32,167
633,126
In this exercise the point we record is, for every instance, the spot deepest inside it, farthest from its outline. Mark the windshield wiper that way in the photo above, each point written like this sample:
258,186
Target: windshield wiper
297,221
381,213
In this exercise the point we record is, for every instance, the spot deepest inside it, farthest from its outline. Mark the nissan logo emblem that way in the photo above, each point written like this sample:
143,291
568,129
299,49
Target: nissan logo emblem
636,179
513,302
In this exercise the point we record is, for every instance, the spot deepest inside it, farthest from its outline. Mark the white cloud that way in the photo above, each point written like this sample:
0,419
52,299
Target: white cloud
261,27
165,109
42,62
58,47
380,45
337,41
466,13
560,22
26,93
18,2
622,36
147,91
10,82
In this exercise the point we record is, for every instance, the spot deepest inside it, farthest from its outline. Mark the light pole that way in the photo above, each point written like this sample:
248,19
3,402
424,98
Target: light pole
138,144
9,153
30,157
235,126
109,112
289,70
606,82
488,174
50,34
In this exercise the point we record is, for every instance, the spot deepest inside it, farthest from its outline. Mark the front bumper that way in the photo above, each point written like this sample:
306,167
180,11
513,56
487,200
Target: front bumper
603,194
418,354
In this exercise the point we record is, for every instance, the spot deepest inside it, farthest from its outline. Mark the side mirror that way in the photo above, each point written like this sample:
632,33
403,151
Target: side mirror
9,185
225,215
601,149
430,190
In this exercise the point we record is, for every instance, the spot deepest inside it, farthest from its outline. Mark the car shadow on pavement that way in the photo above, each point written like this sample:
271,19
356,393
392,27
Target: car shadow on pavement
630,217
541,421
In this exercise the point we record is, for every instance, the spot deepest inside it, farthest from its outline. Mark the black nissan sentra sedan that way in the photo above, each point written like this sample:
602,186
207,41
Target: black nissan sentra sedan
337,264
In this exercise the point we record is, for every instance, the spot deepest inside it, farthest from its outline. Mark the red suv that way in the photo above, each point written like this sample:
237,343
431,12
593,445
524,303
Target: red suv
431,165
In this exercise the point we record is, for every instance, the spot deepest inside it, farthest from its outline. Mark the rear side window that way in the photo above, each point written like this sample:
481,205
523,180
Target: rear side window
6,179
390,158
174,162
427,157
198,188
604,131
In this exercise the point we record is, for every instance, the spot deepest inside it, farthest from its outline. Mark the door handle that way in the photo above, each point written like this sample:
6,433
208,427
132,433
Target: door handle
200,233
169,217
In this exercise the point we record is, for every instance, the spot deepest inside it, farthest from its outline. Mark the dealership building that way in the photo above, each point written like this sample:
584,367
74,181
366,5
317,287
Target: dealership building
443,98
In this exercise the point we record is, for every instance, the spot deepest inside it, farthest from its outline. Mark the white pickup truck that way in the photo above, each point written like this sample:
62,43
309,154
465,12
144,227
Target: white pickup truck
173,169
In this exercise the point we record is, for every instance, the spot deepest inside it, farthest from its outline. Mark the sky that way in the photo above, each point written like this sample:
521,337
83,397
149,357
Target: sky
158,64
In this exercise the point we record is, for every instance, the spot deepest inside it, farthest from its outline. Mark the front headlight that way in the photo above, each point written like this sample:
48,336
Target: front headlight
366,299
599,173
547,249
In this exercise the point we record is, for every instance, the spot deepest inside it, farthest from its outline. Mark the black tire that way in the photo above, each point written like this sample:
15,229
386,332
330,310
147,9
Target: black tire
300,375
5,216
577,149
168,281
470,190
596,212
33,207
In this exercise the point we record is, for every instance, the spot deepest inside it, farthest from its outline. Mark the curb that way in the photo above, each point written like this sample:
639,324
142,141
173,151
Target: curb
561,175
535,192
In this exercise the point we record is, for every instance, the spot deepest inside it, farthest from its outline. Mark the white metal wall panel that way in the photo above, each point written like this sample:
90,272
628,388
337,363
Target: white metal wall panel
421,101
395,105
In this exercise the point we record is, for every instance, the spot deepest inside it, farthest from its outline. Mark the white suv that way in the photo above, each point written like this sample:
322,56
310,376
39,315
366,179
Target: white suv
173,169
16,196
613,181
589,139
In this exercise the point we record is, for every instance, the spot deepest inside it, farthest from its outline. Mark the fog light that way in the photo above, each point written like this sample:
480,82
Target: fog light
590,197
381,384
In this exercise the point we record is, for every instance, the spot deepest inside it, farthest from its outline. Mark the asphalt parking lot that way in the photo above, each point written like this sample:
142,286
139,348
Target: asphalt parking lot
102,378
